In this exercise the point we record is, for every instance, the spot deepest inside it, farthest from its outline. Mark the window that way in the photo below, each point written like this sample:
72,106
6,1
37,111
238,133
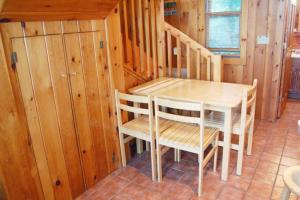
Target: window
223,26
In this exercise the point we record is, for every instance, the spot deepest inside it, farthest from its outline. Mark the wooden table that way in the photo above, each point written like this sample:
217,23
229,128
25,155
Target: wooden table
216,96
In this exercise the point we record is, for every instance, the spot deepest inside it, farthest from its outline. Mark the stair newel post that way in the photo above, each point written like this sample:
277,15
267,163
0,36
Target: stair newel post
217,68
161,43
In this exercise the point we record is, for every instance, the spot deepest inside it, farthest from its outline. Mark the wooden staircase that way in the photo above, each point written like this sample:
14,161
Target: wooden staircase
154,48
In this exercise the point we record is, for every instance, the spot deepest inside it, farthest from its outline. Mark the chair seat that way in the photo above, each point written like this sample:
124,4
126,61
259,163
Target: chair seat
216,120
139,127
186,137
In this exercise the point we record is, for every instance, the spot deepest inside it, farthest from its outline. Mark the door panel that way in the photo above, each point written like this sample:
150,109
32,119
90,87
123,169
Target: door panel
46,108
24,77
66,92
59,76
93,100
78,87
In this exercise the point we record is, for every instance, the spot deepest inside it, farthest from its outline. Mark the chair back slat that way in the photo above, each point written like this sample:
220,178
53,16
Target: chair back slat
134,109
136,100
182,105
133,98
174,117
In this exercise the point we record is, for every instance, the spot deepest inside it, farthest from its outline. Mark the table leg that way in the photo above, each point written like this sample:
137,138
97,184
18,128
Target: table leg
227,144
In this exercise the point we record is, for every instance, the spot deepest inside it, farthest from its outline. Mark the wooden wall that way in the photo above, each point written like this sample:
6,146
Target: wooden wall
58,135
265,17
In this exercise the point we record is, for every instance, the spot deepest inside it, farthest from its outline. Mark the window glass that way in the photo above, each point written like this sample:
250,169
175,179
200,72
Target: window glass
223,31
224,5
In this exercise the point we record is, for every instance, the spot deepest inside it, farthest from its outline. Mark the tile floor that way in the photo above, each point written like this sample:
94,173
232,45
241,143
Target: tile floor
276,146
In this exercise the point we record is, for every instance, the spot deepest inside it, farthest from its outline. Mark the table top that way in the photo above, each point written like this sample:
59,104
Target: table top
210,93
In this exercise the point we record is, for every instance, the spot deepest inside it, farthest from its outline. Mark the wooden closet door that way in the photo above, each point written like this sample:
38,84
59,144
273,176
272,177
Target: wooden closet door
43,80
91,103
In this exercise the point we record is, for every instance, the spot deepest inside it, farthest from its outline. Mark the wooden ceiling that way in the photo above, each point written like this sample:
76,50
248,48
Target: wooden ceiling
23,10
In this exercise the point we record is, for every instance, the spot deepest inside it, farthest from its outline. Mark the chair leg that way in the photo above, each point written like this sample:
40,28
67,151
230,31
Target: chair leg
250,139
147,146
178,155
200,177
139,146
122,148
285,194
216,153
159,167
153,160
175,155
240,154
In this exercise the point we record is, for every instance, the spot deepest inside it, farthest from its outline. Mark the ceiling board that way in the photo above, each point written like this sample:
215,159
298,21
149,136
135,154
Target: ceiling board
16,10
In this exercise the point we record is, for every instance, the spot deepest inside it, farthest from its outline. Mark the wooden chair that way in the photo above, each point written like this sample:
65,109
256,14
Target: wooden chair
141,127
187,134
243,120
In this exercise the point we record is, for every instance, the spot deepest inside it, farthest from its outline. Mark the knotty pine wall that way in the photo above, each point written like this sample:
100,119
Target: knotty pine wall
58,135
264,17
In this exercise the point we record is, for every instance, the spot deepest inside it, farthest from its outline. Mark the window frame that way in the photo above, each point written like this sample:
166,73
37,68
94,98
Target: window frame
239,59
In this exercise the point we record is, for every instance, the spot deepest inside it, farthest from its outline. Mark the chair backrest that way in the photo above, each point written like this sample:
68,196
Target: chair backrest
249,101
122,104
181,105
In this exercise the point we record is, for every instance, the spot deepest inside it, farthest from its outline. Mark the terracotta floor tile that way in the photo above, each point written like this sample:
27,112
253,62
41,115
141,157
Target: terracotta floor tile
281,169
267,167
128,173
267,178
277,192
279,181
238,182
247,172
173,174
275,147
289,161
250,161
260,189
229,193
270,157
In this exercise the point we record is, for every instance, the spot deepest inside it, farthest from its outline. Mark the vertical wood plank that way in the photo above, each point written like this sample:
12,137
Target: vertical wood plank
59,76
32,117
188,60
33,28
161,43
178,48
170,53
88,46
104,86
70,26
127,36
85,25
153,37
16,157
52,27
46,109
141,35
198,64
208,68
116,71
87,150
136,53
147,36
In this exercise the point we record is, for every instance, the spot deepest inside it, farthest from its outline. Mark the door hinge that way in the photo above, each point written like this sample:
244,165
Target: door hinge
101,45
14,60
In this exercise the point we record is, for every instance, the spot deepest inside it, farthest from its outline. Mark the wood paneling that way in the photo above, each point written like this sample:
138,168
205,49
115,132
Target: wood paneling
56,9
16,157
65,87
261,61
